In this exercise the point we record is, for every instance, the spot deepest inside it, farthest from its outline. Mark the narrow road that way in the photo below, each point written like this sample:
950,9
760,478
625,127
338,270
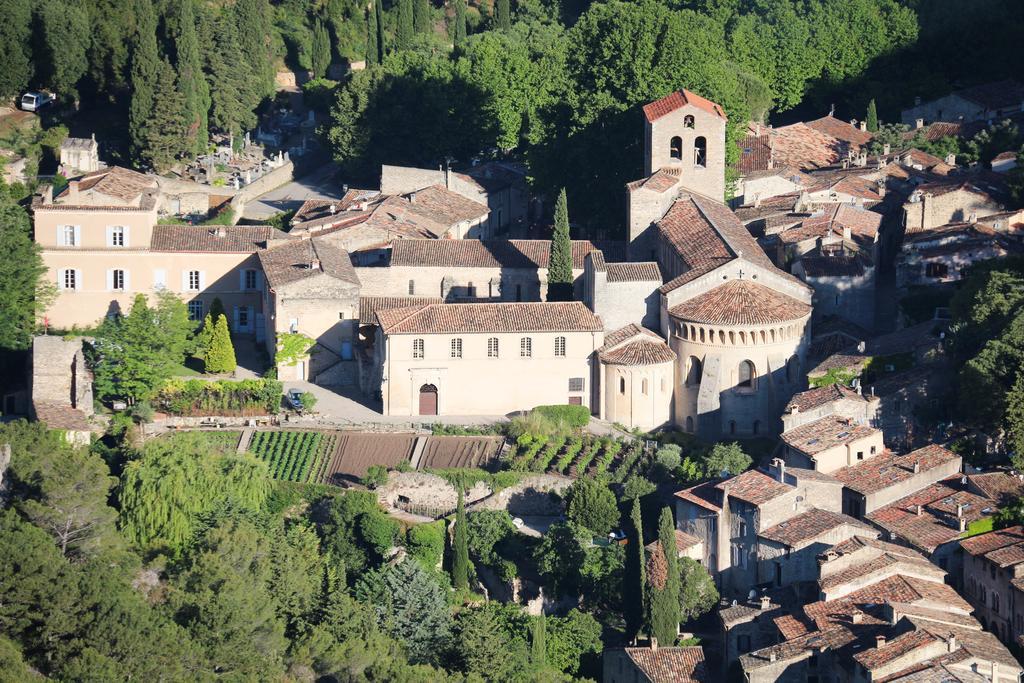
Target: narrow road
318,184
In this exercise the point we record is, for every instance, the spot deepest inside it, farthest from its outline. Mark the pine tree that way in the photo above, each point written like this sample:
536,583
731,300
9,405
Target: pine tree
221,356
459,33
538,642
145,72
663,575
421,16
635,576
560,261
872,117
191,79
165,137
372,45
403,38
320,50
503,15
460,559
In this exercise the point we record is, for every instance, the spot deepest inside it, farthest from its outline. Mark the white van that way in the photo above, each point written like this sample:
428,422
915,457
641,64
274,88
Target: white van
36,100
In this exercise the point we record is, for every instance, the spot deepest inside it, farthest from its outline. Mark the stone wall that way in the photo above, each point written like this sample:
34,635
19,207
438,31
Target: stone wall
265,183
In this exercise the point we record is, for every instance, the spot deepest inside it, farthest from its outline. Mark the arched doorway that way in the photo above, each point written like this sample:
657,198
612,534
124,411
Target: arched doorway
428,400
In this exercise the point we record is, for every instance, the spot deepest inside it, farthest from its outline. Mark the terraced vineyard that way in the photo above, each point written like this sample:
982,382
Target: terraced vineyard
293,456
578,455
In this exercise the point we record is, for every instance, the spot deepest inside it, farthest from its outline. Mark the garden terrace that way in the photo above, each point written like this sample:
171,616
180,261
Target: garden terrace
356,452
578,455
448,452
298,456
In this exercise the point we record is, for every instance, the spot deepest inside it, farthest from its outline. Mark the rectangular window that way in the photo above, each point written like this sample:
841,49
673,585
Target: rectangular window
243,317
70,279
117,280
575,384
250,279
193,280
417,348
525,347
471,290
69,236
293,325
195,310
412,287
560,346
117,235
492,347
341,315
456,348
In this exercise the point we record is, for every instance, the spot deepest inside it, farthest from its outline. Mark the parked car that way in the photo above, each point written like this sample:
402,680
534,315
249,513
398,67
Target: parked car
294,398
36,100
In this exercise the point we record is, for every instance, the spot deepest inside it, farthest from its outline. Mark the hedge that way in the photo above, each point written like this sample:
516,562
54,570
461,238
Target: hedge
576,417
195,397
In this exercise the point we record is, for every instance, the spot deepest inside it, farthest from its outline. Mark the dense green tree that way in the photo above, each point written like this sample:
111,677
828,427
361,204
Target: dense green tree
572,638
231,100
298,574
538,641
372,36
726,459
426,543
165,137
256,44
339,533
404,33
191,80
635,576
23,292
663,575
64,45
165,493
602,576
460,547
320,50
421,17
459,28
591,504
486,529
489,645
560,557
16,48
379,532
502,15
378,13
221,355
560,261
871,118
698,594
145,77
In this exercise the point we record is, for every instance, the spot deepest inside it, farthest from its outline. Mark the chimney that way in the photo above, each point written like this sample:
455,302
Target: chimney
862,160
917,466
73,191
846,163
951,159
332,208
951,643
222,231
654,644
962,524
881,189
771,655
973,218
918,123
863,125
880,641
886,148
314,264
917,510
847,233
959,510
766,602
995,672
757,200
856,616
779,468
853,122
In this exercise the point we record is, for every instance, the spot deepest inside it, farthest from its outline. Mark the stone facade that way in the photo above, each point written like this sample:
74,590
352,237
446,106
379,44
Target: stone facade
930,207
685,131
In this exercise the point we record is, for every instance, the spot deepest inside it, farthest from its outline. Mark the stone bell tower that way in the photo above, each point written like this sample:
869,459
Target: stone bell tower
686,133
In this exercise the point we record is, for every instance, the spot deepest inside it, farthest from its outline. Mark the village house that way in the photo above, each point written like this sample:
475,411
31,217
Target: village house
986,102
654,664
993,580
79,156
832,399
831,443
955,200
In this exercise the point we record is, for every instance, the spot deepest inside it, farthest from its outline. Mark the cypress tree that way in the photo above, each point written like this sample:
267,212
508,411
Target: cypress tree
459,34
320,50
460,559
663,574
145,71
403,37
634,576
379,23
503,15
560,260
872,117
191,79
221,356
204,336
166,133
421,16
538,642
372,45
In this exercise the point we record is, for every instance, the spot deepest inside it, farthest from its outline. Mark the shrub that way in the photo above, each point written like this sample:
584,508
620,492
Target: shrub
308,400
378,530
142,411
225,397
669,456
426,543
221,355
376,475
575,417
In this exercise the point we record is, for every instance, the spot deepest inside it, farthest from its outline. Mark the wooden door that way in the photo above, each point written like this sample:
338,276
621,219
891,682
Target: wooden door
428,400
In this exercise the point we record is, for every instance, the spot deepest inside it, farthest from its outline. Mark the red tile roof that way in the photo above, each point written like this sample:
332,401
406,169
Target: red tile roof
755,154
634,345
825,433
754,487
471,253
116,181
299,259
741,302
888,469
662,180
797,531
837,265
819,396
677,100
214,239
669,664
841,130
446,206
369,305
646,271
906,643
1000,487
570,316
706,495
985,543
57,416
804,147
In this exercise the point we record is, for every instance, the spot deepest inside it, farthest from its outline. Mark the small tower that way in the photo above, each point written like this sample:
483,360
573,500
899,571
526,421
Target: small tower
686,132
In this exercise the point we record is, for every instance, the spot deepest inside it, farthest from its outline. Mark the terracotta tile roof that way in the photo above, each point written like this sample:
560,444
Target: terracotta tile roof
755,154
819,396
1005,156
299,259
646,271
841,130
910,589
116,181
754,487
741,302
928,518
669,664
634,345
705,495
677,100
683,542
662,180
975,641
447,206
986,543
825,433
1006,556
801,647
244,239
570,316
705,234
1000,487
835,220
471,253
790,627
804,147
894,649
797,531
780,204
934,131
57,416
884,565
858,543
888,469
369,305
